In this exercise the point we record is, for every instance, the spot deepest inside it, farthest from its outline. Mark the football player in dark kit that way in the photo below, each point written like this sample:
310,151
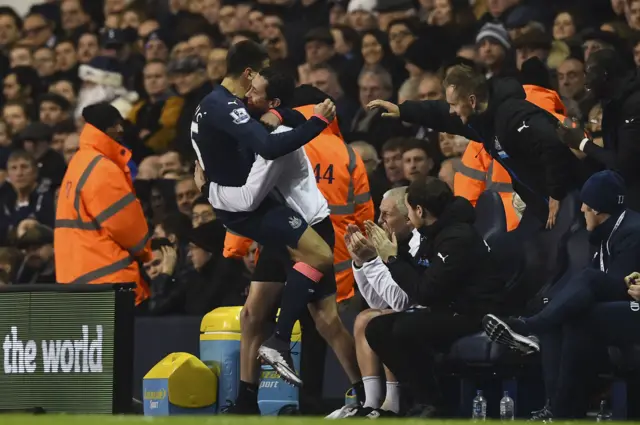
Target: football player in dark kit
226,140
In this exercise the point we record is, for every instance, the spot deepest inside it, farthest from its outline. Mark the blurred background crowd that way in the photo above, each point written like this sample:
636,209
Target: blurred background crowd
154,60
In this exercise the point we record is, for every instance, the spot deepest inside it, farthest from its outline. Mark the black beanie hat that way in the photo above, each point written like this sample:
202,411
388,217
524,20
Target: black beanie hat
101,116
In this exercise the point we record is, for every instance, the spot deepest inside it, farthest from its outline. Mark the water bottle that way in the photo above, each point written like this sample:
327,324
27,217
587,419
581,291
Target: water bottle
507,410
479,412
603,414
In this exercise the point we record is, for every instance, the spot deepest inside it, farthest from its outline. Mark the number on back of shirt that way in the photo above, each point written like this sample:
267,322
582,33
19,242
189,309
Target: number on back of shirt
326,175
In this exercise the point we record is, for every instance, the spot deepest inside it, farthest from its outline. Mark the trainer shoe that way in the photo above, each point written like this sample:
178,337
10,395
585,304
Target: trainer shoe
240,408
543,415
346,411
277,354
502,332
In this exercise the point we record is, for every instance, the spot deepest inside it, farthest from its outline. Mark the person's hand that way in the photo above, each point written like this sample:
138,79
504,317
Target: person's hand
271,120
632,279
169,260
326,109
554,207
634,292
198,176
393,110
304,73
360,248
386,247
570,136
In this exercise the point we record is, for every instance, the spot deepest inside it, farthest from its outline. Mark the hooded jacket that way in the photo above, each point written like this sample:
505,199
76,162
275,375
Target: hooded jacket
516,133
461,273
621,137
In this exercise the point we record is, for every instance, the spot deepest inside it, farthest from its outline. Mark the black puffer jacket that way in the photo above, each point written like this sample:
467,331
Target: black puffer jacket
461,273
516,133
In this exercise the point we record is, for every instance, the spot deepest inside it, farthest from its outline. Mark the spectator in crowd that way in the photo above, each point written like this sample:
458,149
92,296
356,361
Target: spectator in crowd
36,140
493,44
61,131
616,230
534,43
53,109
186,194
616,87
20,55
38,31
416,163
74,17
456,304
38,265
217,65
171,162
402,32
44,62
65,88
70,146
571,85
10,28
201,212
326,79
368,154
10,261
448,170
16,116
88,47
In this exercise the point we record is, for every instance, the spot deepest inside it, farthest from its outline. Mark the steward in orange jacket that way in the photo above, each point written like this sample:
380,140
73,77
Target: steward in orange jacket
343,181
100,228
479,172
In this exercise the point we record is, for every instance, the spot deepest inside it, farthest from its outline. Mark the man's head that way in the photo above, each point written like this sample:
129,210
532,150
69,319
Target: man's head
73,15
36,139
426,200
368,155
15,115
270,89
392,159
401,34
492,42
603,195
105,118
22,171
244,61
174,226
188,74
186,193
394,216
571,78
633,14
604,69
228,20
201,44
88,47
156,81
374,83
53,108
66,57
466,91
326,79
44,61
37,30
20,55
37,244
201,212
156,46
319,46
430,88
217,64
415,159
171,162
10,26
533,43
154,267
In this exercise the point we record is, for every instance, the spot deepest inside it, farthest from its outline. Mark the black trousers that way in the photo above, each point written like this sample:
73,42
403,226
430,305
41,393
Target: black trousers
406,343
584,316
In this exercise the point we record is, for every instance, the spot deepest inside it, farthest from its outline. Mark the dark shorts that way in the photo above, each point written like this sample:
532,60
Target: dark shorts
271,224
274,264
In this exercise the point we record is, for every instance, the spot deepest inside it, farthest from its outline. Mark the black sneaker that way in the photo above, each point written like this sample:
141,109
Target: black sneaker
543,415
380,413
501,331
240,408
277,354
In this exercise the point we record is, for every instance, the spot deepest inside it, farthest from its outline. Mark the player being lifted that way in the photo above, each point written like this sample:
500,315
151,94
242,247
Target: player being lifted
226,140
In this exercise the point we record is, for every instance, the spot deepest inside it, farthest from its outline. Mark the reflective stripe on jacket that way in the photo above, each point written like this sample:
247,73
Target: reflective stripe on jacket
342,179
100,228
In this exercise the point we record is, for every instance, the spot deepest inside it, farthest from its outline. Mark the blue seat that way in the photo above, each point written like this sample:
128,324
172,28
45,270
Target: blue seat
490,217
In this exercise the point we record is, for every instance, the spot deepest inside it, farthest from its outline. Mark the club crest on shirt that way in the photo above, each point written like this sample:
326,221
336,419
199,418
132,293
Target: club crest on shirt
240,116
295,222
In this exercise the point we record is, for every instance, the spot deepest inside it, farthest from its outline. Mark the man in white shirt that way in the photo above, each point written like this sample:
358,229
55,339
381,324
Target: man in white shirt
384,296
291,179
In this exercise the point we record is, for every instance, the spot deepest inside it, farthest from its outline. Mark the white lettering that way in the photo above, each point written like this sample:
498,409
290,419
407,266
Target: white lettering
269,384
30,352
6,353
66,356
95,352
51,356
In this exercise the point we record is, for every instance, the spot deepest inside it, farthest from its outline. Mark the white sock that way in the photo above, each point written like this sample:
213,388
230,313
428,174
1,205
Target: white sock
372,391
392,400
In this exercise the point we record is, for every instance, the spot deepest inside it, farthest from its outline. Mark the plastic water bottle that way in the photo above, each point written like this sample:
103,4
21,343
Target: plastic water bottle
507,409
603,414
479,412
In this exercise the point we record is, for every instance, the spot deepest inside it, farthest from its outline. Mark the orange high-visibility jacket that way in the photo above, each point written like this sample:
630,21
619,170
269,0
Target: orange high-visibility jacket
100,229
343,181
479,172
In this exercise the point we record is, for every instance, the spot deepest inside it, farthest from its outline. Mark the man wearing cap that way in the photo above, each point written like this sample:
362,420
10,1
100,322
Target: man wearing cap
319,49
101,232
533,43
156,46
36,139
493,44
388,10
189,76
615,232
360,14
38,265
617,88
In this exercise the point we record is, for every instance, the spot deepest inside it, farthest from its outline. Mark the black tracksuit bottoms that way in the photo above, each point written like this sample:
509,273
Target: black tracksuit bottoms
406,343
584,316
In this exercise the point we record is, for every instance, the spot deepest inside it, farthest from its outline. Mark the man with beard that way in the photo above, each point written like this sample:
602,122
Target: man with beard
617,87
293,177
